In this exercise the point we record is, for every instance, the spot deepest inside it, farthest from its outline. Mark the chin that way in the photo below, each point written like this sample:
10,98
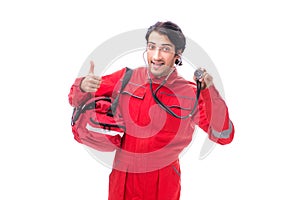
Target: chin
155,72
163,71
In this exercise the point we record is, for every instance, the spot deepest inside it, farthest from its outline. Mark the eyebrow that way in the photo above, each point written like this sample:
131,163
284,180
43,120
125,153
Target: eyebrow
162,44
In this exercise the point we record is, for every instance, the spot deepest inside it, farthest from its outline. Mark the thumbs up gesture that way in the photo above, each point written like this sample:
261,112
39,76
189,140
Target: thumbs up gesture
91,82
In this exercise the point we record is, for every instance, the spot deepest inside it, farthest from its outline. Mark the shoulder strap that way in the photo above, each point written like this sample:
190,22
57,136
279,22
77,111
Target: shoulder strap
126,79
91,103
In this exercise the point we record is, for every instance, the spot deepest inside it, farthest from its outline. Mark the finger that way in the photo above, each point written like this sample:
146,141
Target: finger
203,76
93,87
94,80
202,69
208,80
89,87
92,67
207,77
89,84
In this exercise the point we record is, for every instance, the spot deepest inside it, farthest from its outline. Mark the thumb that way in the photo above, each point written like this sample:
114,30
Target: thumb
92,67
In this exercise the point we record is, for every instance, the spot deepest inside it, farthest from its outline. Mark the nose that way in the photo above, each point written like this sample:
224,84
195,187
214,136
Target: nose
156,54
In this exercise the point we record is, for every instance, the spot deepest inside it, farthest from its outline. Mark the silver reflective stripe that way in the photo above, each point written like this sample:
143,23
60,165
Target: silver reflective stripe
176,171
223,134
103,131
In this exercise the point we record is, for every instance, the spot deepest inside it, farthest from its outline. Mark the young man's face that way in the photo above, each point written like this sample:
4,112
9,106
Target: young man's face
160,54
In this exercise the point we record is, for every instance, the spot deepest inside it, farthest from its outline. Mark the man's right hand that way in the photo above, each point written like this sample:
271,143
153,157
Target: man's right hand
91,82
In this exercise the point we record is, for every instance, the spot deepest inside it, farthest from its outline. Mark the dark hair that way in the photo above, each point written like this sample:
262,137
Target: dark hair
172,31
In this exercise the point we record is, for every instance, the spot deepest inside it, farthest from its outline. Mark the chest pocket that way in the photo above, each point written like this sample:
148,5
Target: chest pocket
132,101
135,90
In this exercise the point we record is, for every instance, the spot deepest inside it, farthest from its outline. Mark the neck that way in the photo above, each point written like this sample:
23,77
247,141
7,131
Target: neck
166,75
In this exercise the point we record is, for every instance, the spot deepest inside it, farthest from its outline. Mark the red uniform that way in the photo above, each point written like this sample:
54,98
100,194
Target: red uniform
146,167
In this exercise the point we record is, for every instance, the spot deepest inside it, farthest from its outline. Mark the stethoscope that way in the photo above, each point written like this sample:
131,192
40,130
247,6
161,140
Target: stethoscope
198,75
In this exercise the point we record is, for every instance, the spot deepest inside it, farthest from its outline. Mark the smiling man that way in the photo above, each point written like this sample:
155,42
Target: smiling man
160,111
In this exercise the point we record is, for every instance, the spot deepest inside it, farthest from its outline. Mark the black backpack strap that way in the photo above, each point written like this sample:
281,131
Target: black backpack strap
77,111
88,105
126,79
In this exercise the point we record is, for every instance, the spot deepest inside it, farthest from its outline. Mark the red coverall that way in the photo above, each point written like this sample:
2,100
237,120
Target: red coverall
146,167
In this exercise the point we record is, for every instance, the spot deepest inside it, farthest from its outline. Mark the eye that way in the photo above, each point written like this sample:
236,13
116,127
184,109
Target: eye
166,49
151,47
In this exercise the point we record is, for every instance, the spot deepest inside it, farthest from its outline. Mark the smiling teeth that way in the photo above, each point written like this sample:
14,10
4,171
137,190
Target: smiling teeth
158,64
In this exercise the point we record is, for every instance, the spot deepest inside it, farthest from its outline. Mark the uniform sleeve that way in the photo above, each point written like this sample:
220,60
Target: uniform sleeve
213,116
76,95
107,87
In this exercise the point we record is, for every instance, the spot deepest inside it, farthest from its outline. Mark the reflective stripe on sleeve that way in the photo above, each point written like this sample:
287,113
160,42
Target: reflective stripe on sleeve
222,134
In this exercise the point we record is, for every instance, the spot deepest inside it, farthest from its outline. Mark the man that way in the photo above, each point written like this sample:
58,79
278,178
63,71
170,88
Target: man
160,111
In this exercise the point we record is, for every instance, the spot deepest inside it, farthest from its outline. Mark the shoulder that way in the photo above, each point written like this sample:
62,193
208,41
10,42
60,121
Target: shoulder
141,69
115,74
179,80
140,75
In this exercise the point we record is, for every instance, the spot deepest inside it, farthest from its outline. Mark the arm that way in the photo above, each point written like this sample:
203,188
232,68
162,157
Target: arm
218,124
213,116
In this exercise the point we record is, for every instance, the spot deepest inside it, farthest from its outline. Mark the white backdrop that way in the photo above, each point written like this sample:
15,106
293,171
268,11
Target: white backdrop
254,45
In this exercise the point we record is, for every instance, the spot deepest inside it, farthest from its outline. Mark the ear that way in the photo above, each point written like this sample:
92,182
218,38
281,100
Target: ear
178,54
178,60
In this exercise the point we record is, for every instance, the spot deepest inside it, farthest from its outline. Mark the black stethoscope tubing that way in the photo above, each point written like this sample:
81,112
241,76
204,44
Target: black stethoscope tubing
166,108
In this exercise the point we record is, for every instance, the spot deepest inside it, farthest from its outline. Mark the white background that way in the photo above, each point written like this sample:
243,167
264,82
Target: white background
254,45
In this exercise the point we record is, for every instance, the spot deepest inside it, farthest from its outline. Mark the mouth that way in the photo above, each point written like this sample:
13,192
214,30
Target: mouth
157,65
